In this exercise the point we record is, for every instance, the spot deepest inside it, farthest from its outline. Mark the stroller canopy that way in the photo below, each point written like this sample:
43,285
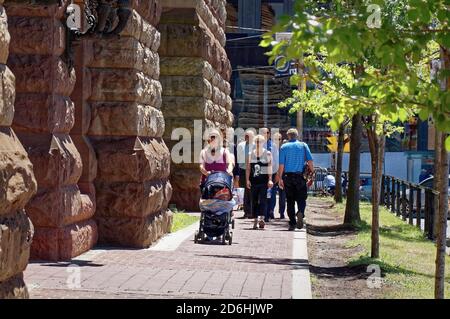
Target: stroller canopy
218,185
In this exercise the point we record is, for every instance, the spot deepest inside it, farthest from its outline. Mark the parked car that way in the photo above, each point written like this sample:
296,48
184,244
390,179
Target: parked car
365,188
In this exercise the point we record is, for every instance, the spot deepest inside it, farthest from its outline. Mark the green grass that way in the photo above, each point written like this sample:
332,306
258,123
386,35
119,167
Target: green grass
182,220
406,256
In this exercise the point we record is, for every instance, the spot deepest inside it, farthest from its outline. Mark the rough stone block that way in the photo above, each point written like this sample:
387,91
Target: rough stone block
132,160
126,52
134,232
4,36
44,113
185,107
17,182
14,288
200,125
185,183
185,66
56,10
125,85
132,199
55,159
143,30
42,74
126,119
55,244
7,96
186,86
88,158
59,207
16,233
36,35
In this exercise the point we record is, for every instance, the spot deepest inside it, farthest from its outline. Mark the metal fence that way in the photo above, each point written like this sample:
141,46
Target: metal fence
318,187
410,201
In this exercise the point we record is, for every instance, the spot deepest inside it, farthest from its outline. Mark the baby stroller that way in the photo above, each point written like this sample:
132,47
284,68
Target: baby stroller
216,206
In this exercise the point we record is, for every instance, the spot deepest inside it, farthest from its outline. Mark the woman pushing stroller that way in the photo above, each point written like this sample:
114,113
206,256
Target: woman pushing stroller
214,157
216,203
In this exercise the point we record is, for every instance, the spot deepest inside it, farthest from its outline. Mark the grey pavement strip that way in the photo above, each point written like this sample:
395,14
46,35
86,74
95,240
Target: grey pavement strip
301,280
171,242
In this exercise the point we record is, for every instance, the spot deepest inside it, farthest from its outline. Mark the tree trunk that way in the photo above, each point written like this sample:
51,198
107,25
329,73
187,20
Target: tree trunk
352,205
340,153
437,177
442,214
376,145
442,171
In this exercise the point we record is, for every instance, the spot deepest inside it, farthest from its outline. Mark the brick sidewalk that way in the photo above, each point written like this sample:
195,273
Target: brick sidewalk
259,264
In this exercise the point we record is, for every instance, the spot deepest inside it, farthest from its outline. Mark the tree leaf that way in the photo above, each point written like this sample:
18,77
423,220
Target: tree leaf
447,143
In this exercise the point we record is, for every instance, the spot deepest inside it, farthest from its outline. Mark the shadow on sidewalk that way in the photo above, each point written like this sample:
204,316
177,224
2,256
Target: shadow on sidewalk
80,263
297,263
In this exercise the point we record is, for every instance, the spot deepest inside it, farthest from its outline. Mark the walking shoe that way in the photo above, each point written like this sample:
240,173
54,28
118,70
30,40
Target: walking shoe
282,217
299,221
291,228
255,224
262,224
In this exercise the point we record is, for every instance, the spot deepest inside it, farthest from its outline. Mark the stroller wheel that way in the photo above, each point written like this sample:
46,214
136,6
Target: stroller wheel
224,240
232,224
196,237
230,240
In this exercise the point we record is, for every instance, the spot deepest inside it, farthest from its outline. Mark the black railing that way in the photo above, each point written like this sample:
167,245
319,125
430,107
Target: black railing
412,202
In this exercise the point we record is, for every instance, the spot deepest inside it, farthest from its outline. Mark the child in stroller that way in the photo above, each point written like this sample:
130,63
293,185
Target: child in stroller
216,206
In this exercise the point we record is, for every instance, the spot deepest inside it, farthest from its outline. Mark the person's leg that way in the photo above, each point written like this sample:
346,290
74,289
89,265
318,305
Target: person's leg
272,202
301,195
262,206
281,202
248,211
290,199
254,206
263,203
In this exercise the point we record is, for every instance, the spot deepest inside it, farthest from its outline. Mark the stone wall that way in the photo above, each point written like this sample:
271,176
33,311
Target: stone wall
17,184
61,214
126,129
195,73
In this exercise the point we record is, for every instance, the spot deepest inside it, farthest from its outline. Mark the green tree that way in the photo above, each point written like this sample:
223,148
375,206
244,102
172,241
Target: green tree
386,43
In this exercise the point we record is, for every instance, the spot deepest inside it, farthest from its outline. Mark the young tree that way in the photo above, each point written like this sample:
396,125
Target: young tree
389,39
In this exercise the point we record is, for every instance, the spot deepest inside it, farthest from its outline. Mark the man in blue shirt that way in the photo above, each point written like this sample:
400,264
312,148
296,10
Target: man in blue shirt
293,157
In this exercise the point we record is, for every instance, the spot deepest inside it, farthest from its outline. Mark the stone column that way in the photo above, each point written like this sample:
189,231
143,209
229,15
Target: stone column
126,129
195,74
17,184
62,216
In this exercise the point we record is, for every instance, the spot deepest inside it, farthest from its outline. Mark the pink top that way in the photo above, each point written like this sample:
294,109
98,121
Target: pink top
217,166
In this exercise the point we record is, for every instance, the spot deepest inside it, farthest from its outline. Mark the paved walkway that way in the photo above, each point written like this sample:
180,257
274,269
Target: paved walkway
270,263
